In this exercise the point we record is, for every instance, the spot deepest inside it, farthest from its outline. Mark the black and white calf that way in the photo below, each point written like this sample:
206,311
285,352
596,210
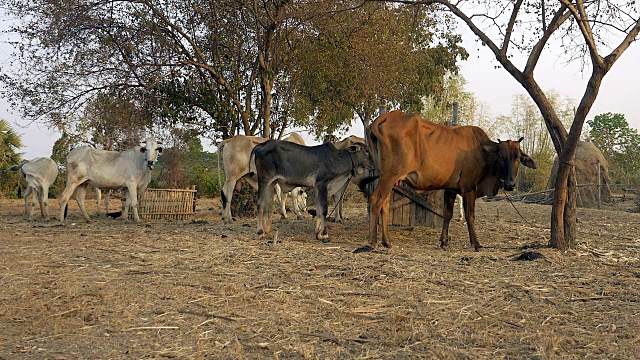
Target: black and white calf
289,165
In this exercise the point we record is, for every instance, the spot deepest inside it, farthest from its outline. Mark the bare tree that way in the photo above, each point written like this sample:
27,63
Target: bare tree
595,32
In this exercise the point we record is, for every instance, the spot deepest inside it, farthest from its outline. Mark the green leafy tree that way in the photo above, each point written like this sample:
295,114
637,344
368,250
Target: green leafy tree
619,143
349,64
10,143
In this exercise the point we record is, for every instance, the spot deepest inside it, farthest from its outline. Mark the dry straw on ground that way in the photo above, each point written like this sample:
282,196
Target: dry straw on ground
114,289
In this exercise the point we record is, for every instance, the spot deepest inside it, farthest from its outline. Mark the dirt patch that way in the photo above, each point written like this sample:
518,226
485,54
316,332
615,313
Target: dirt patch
204,289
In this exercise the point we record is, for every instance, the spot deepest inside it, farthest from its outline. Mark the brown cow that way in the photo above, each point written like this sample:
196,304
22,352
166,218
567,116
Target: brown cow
428,156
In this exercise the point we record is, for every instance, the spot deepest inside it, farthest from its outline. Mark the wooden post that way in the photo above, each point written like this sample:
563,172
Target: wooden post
382,109
599,185
454,120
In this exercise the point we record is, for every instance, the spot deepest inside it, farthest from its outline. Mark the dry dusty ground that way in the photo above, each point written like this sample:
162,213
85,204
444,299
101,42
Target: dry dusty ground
114,289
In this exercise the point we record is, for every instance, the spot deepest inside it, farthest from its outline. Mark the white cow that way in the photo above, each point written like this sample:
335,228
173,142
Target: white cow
299,197
459,200
40,173
236,152
109,170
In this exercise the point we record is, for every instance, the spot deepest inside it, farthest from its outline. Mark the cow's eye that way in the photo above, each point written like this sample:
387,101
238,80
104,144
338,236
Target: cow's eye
159,149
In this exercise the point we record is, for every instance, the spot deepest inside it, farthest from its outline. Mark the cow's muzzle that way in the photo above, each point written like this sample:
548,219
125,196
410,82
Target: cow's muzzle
150,165
509,185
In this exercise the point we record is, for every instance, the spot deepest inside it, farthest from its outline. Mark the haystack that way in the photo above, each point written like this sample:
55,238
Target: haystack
586,163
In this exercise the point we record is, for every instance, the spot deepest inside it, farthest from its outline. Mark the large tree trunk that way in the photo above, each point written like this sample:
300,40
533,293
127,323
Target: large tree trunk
563,212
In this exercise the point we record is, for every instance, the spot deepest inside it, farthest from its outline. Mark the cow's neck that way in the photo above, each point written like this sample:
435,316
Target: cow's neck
490,182
353,165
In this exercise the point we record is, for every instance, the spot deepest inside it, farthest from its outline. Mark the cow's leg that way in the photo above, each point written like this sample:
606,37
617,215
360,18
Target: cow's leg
34,199
296,195
321,212
380,194
449,201
65,196
81,192
227,194
45,201
40,196
127,205
98,200
470,215
337,197
28,210
106,201
265,197
43,195
133,199
384,213
280,199
460,207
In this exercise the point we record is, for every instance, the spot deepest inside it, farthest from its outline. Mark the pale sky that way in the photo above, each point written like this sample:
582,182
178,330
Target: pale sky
495,87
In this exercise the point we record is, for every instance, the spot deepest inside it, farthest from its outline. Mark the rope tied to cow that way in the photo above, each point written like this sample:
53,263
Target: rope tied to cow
518,211
341,195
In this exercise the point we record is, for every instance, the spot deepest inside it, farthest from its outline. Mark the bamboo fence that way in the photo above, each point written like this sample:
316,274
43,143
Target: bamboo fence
167,204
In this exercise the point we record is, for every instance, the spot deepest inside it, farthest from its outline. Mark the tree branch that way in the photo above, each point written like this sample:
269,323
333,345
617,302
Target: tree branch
509,31
579,14
558,19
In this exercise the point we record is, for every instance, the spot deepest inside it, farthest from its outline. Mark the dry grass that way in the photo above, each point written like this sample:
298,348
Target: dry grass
114,289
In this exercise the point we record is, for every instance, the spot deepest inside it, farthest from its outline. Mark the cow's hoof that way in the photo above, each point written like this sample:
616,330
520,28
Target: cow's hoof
387,245
323,237
366,248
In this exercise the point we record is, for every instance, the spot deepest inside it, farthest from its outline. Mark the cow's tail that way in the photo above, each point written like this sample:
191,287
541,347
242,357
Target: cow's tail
372,134
373,140
15,168
252,162
223,197
253,171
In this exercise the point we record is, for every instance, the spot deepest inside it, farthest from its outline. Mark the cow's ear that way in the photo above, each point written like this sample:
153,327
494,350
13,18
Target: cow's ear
159,149
490,147
521,138
527,161
355,148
